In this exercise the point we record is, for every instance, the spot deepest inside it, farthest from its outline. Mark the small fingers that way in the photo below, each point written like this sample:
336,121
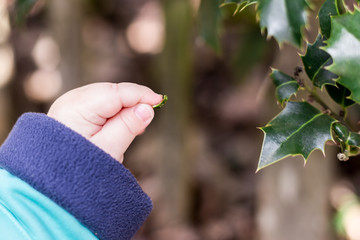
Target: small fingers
119,131
132,94
107,99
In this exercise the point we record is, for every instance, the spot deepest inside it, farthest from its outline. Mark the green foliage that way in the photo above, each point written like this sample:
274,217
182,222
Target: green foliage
349,141
314,62
340,95
344,48
283,19
328,9
298,130
316,59
331,65
332,61
286,86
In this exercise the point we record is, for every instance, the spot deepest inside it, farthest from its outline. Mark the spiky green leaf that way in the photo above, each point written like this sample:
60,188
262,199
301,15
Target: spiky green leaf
343,134
284,19
344,48
314,62
349,141
286,86
299,129
339,94
328,9
316,59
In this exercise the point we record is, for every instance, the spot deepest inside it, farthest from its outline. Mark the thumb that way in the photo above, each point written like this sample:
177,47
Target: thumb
119,131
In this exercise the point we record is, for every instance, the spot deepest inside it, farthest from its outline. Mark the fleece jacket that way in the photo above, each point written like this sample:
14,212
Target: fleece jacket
26,214
77,175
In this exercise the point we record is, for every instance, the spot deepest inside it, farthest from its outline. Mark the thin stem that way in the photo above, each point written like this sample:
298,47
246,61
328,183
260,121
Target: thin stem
317,98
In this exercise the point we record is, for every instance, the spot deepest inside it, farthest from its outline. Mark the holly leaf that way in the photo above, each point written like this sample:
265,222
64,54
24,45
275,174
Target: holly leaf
339,94
344,135
349,141
328,9
344,48
284,19
314,60
286,86
299,129
240,4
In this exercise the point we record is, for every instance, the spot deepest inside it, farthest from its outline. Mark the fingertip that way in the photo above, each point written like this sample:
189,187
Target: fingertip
131,94
160,98
156,98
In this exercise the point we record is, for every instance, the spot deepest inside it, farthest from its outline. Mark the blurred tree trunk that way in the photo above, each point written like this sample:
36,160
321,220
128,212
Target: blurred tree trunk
176,63
65,21
5,114
293,201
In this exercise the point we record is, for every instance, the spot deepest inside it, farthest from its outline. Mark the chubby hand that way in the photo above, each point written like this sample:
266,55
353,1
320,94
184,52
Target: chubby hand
110,115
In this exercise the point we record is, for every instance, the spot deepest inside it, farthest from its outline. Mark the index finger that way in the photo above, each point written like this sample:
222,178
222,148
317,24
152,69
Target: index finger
107,99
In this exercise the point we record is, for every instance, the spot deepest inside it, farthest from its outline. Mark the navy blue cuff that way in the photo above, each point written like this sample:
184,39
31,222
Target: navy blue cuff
99,191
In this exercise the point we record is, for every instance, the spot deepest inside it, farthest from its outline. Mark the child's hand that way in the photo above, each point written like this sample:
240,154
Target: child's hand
109,115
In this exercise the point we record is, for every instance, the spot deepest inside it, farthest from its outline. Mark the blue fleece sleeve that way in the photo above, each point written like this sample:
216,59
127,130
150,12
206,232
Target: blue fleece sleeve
84,180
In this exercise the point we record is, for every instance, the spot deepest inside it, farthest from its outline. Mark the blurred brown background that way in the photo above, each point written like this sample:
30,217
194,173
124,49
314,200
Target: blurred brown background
197,160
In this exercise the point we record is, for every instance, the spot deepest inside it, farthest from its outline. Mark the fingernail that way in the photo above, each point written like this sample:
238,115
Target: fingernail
144,112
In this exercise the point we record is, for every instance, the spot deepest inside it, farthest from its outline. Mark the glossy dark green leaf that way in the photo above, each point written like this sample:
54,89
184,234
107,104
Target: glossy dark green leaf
344,48
314,62
354,144
299,129
343,134
284,19
328,9
315,58
339,94
286,86
354,139
349,141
